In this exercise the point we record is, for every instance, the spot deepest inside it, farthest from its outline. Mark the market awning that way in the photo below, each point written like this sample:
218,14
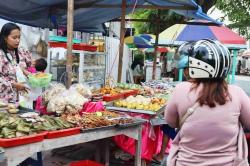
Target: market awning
88,14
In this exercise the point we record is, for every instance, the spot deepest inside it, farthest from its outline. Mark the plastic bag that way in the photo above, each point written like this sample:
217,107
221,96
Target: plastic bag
83,90
92,107
53,90
67,101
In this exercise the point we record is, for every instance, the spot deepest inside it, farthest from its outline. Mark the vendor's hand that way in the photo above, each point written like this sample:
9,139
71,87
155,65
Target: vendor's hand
20,87
25,72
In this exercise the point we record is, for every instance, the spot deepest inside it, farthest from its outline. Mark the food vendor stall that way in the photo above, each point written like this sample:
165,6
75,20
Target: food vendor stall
66,123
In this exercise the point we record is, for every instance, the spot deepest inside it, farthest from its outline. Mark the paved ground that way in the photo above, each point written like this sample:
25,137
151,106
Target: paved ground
244,83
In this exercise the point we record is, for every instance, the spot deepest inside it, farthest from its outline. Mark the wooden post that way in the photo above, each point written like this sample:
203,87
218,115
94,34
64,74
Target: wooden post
156,44
122,35
70,22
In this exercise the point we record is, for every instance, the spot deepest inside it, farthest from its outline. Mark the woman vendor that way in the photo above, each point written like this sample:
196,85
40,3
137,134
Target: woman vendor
12,59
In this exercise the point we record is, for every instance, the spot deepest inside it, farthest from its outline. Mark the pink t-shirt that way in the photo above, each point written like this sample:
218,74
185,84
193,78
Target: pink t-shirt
31,70
209,135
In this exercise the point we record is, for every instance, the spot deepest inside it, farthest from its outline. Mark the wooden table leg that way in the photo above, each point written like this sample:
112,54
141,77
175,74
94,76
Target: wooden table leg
138,147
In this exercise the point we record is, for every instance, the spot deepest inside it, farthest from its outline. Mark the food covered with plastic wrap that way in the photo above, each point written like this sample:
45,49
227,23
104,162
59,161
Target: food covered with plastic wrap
83,90
67,101
53,90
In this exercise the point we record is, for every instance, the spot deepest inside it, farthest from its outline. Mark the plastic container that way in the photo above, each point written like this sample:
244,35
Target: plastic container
58,44
62,39
81,46
62,133
108,98
11,142
36,82
84,47
85,163
131,93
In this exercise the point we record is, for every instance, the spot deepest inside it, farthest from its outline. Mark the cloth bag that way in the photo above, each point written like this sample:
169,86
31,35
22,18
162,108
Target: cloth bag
241,158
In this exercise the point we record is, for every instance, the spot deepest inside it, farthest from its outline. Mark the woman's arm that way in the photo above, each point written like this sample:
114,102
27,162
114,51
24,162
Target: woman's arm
5,81
25,58
171,112
26,72
245,109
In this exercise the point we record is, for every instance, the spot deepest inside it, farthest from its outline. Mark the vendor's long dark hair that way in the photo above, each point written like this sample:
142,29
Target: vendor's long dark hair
5,32
213,91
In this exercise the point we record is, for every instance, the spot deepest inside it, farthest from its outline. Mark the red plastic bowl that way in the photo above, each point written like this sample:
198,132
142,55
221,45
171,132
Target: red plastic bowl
62,133
11,142
85,163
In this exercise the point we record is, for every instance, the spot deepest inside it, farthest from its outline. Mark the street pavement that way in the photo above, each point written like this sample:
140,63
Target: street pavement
244,83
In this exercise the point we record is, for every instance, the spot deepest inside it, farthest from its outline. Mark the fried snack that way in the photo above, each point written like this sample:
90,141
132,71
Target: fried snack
107,118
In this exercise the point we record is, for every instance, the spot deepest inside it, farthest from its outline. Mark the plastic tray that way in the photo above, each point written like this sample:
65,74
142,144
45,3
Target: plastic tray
62,133
98,128
58,44
110,106
130,93
83,47
85,163
62,39
11,142
135,123
122,109
113,97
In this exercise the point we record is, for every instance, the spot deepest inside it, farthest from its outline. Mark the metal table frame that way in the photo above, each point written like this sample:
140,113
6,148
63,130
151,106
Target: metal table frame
16,155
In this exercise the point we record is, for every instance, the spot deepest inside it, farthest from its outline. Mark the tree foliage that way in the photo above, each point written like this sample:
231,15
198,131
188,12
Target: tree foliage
238,11
167,18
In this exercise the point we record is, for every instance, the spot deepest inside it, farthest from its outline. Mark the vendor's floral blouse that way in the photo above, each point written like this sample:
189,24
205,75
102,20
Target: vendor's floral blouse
8,73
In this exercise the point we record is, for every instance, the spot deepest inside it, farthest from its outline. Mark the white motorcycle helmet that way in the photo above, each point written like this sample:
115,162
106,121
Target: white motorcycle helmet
208,59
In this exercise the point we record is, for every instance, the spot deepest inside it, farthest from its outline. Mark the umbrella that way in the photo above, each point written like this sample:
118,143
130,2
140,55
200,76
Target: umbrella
148,37
137,42
185,32
159,49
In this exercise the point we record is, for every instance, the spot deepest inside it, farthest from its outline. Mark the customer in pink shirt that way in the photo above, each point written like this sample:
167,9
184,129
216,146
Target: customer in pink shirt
209,135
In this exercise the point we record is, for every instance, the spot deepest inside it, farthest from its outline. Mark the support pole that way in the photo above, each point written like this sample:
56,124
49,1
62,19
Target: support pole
180,75
156,44
122,35
234,66
70,22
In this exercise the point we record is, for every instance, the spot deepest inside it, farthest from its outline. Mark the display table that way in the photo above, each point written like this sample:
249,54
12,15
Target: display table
18,154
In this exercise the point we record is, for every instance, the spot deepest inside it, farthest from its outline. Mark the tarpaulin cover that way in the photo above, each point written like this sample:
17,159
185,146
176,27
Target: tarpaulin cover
53,13
151,140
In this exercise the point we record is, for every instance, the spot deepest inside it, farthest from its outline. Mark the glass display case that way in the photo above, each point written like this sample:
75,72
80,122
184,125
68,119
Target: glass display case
88,67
